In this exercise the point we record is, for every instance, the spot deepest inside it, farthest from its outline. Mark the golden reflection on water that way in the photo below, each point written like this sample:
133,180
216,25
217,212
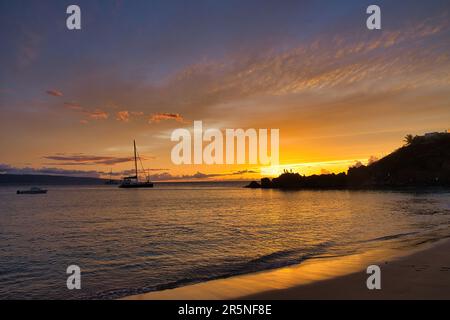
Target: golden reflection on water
173,235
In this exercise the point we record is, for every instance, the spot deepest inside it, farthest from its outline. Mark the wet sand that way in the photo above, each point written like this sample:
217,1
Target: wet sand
420,274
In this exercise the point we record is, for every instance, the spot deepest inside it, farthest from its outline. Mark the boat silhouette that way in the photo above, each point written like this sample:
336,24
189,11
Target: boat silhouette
133,182
33,190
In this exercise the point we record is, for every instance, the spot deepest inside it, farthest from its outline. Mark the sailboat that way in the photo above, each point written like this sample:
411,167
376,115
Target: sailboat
133,181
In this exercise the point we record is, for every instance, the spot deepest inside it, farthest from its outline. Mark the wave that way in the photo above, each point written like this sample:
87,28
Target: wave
278,259
390,237
228,268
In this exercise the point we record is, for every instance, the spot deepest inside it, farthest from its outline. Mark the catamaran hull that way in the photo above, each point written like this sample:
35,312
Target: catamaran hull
136,186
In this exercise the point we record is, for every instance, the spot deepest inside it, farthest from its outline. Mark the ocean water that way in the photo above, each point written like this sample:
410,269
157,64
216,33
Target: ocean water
134,241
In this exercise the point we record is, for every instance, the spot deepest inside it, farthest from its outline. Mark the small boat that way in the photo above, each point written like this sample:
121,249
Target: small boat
133,181
34,190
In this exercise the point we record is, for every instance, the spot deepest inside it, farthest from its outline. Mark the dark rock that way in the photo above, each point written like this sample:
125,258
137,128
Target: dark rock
253,185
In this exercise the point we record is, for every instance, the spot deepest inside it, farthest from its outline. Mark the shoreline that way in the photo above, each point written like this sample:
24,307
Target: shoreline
420,273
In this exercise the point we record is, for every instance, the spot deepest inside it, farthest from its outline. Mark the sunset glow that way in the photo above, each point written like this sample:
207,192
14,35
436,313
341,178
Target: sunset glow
261,152
335,92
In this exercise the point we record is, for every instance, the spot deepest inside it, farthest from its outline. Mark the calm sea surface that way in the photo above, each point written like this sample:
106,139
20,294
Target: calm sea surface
134,241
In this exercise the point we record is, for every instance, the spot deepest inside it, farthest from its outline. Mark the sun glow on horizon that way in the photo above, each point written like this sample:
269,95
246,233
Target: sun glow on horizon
310,168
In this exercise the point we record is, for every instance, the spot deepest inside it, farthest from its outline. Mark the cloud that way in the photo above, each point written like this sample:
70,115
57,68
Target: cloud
55,93
87,160
328,65
165,176
344,65
157,117
243,171
372,160
7,169
353,62
97,114
81,159
123,116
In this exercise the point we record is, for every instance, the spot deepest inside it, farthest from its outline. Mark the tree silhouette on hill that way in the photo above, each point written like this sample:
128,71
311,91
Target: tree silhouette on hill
422,161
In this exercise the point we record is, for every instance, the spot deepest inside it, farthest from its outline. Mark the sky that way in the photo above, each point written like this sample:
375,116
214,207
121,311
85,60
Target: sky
72,101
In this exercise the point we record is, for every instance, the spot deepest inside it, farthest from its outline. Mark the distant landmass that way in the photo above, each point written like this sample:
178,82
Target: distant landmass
424,161
37,179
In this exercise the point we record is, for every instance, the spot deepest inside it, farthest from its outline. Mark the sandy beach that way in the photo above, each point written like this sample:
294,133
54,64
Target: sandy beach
420,274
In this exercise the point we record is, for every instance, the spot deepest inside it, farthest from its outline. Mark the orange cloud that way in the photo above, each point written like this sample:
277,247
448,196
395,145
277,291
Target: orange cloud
97,114
123,116
94,115
157,117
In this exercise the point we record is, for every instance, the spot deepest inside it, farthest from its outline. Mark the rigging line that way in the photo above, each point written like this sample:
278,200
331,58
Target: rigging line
142,166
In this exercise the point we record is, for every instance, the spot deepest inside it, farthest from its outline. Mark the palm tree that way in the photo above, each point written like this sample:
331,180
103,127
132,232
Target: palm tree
409,138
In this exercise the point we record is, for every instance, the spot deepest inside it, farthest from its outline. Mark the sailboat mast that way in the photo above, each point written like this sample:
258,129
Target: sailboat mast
135,160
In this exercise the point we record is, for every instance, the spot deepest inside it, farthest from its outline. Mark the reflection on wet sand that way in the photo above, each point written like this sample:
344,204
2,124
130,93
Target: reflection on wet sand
287,283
